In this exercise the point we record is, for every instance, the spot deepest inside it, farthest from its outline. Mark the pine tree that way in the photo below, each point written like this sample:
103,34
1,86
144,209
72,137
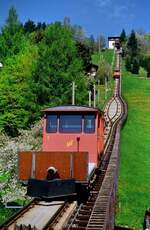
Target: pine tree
11,36
123,36
132,45
12,22
128,63
135,66
29,26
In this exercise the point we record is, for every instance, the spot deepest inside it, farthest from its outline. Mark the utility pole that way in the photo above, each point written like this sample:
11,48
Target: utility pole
73,93
90,94
106,88
98,97
94,95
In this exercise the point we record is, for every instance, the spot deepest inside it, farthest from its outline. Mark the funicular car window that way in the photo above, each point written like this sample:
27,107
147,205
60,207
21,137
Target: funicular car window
89,123
71,123
51,124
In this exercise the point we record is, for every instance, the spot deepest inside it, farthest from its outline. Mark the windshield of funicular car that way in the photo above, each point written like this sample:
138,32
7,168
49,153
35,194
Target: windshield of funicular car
70,123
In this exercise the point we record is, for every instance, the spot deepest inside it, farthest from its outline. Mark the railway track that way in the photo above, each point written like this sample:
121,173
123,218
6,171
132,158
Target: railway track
39,215
98,212
94,214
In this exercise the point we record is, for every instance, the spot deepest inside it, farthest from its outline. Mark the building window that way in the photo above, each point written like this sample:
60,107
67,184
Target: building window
89,123
70,123
51,124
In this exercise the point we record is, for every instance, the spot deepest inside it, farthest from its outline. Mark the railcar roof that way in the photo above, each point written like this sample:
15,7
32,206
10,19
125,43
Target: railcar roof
71,108
113,37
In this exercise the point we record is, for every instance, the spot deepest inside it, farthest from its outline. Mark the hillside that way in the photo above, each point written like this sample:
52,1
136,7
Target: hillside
106,55
134,173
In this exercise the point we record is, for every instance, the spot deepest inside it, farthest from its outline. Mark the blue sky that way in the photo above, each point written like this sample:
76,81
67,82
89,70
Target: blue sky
106,17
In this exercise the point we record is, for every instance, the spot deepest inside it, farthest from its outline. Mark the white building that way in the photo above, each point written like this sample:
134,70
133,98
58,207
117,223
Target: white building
113,41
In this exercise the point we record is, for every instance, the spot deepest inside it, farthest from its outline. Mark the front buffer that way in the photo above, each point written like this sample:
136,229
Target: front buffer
58,189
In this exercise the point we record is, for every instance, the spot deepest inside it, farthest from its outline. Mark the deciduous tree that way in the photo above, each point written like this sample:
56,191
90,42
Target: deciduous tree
100,44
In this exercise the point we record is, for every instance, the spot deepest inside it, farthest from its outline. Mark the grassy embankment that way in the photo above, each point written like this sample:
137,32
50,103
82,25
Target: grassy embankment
108,56
134,173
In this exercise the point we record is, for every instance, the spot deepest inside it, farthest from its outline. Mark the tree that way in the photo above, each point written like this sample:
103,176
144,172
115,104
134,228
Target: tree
133,57
44,25
142,72
17,99
92,44
78,33
135,66
146,64
84,53
128,63
104,71
29,26
123,36
11,39
39,68
66,22
38,36
140,31
143,44
41,77
12,23
59,64
132,45
40,26
3,48
100,44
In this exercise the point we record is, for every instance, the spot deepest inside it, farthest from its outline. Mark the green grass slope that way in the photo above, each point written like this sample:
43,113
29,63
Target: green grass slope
134,172
107,55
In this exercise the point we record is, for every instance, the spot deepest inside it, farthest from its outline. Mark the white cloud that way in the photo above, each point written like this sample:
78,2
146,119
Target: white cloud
115,10
119,11
122,12
103,3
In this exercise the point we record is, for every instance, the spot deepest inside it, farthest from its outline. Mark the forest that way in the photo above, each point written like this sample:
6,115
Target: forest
39,62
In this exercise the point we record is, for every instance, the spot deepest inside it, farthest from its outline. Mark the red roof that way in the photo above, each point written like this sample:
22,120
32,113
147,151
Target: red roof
70,108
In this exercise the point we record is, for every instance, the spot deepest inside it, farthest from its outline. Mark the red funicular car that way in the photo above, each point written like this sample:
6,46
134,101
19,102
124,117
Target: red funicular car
73,141
74,129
